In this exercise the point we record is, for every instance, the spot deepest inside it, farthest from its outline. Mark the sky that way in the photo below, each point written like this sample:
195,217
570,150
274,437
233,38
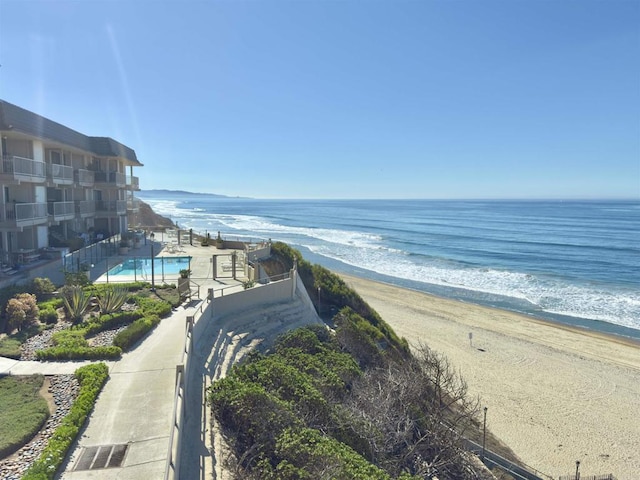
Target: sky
343,98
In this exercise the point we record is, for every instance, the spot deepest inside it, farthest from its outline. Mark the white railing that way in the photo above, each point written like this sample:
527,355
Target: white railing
30,211
86,207
133,204
117,178
117,207
133,182
86,177
26,167
64,209
60,173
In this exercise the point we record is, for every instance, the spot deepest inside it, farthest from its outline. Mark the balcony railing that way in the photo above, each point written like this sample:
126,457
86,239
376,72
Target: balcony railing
24,169
111,207
85,178
86,208
116,178
62,210
25,214
133,182
133,204
60,173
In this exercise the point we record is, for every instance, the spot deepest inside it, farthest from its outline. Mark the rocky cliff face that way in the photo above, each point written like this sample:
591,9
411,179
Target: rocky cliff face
147,218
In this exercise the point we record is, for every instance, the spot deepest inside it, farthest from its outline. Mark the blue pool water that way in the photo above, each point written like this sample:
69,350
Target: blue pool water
142,266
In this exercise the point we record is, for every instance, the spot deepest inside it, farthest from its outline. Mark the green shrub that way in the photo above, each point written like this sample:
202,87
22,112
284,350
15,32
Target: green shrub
48,315
246,408
42,287
110,321
152,306
307,454
134,332
79,353
91,379
53,303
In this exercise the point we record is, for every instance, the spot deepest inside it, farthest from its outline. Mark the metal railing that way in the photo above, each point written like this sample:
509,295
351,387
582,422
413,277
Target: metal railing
86,178
116,178
133,182
25,167
86,208
60,173
62,210
113,207
24,212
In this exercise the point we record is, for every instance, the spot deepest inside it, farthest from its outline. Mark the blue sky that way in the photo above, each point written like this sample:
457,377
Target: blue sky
343,99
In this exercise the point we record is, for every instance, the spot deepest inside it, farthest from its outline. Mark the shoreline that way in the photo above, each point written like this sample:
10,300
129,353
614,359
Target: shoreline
558,393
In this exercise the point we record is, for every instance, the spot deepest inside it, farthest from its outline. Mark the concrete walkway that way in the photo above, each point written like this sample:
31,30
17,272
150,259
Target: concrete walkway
135,407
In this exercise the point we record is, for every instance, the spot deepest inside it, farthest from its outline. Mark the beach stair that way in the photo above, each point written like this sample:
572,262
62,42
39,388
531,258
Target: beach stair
244,331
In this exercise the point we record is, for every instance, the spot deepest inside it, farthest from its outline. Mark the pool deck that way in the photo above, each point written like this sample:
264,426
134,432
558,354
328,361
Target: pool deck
201,263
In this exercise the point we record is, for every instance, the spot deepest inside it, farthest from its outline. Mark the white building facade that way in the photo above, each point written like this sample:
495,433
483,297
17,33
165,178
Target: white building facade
58,186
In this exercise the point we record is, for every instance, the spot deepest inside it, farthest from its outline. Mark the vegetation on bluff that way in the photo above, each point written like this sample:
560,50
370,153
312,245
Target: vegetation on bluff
348,403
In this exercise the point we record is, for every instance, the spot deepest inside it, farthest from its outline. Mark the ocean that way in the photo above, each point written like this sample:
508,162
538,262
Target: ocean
574,262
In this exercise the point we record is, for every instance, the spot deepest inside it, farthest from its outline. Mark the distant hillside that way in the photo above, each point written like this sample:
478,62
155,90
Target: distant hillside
180,192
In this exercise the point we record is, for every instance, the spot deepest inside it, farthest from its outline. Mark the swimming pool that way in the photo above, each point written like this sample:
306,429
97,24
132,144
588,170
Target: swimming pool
141,267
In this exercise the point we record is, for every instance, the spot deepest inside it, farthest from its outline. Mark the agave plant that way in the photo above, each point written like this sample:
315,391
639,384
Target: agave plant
112,299
77,302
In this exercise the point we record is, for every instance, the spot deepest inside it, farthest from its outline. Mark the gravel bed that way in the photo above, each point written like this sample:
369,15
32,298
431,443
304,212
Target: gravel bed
64,389
105,338
41,341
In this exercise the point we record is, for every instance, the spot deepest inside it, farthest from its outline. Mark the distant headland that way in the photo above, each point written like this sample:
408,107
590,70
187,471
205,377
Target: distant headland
182,192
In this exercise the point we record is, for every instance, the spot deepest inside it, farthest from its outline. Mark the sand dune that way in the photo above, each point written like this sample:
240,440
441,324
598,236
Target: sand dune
554,394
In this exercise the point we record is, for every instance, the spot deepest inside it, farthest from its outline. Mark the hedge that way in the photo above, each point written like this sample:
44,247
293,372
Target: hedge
91,379
111,320
134,332
79,353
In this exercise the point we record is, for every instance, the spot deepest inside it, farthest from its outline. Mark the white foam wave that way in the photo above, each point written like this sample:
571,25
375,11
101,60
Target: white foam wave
368,251
549,295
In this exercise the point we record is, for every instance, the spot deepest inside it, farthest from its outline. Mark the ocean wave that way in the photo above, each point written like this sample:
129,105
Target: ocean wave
545,294
538,292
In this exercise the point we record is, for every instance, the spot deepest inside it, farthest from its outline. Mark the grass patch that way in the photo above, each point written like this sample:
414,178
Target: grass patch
10,347
22,411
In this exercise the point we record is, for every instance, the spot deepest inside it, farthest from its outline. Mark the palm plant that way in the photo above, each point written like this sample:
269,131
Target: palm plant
112,299
76,302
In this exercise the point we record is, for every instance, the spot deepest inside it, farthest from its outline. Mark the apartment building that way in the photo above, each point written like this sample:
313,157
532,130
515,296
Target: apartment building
58,186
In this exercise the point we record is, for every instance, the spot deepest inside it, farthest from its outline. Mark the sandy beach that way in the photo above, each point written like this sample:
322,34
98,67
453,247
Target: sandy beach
554,394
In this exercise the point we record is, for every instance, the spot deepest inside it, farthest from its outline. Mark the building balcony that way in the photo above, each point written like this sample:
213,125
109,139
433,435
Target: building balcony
62,210
60,174
111,208
111,179
133,183
25,214
133,205
85,208
85,178
21,169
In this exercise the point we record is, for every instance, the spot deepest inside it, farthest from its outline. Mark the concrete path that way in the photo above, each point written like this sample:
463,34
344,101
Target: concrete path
135,407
